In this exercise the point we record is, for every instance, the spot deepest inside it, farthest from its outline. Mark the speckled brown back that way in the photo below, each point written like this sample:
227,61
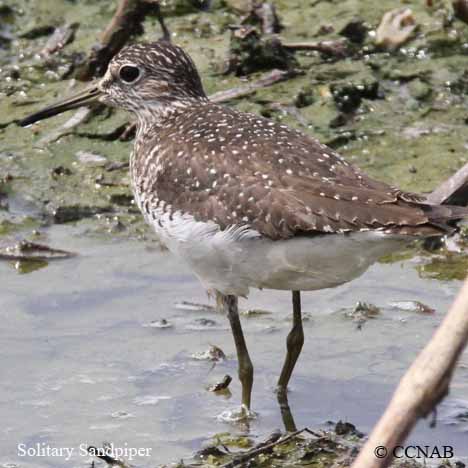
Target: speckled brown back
234,168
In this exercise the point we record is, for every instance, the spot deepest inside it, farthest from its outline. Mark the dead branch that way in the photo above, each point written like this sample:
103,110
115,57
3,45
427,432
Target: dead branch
421,389
268,79
265,14
270,21
82,115
335,48
166,35
453,191
126,22
62,36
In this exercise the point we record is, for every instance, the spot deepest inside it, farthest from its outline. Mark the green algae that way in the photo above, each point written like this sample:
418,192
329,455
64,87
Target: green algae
13,225
229,440
445,268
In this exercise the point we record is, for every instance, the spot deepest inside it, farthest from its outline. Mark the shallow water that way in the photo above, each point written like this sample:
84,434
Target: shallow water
82,366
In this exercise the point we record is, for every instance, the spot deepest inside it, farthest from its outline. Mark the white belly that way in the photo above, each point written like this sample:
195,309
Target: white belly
236,259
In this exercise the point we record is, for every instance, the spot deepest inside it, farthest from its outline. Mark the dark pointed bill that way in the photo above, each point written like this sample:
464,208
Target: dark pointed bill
84,98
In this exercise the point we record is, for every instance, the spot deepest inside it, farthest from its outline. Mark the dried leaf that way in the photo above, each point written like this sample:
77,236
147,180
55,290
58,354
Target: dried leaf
395,29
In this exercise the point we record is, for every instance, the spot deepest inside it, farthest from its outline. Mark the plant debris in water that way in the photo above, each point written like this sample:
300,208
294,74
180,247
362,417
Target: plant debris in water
250,52
222,385
449,267
162,323
26,250
363,312
413,306
213,353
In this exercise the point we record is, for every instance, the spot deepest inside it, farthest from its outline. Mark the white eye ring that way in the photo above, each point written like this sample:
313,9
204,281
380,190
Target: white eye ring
129,73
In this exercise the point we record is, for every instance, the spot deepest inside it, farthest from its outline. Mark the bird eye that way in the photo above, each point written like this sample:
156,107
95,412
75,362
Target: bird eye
129,73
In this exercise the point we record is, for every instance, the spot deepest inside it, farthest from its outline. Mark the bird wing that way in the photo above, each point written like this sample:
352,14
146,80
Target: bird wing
277,181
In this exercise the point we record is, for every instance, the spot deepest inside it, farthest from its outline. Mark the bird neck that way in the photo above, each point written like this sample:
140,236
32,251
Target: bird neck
162,120
161,112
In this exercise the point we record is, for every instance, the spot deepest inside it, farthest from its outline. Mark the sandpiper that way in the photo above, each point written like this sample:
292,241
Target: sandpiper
245,201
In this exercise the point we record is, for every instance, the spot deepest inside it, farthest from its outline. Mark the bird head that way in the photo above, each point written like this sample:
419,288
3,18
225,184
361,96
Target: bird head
147,79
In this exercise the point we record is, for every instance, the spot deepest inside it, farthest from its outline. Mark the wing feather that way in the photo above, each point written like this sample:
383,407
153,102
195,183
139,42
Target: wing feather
273,179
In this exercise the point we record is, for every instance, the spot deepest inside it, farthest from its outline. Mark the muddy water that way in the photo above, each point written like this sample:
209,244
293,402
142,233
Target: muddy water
82,366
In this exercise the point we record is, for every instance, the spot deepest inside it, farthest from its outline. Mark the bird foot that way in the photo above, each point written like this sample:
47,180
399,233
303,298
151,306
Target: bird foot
241,414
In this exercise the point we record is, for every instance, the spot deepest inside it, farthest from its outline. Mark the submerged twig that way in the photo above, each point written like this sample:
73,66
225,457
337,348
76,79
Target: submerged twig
25,250
79,117
335,48
129,132
268,79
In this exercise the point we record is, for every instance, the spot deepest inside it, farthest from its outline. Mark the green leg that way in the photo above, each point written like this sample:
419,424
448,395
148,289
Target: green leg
294,344
245,364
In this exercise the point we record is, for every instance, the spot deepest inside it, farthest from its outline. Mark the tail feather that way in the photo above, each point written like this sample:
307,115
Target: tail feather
445,216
